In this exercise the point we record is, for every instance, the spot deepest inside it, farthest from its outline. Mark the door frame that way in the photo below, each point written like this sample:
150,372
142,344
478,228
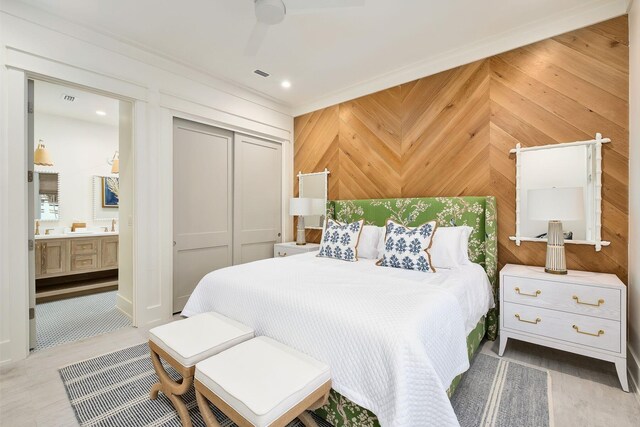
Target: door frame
18,234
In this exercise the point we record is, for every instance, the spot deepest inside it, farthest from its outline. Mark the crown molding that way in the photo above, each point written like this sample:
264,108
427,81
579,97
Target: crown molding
587,14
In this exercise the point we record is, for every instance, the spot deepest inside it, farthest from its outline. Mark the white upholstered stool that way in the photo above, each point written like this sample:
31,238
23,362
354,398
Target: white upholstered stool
186,342
261,382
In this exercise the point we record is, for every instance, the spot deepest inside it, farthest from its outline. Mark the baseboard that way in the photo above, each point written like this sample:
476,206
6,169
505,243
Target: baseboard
124,305
633,366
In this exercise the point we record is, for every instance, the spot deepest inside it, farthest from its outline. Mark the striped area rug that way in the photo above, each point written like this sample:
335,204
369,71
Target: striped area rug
498,392
113,390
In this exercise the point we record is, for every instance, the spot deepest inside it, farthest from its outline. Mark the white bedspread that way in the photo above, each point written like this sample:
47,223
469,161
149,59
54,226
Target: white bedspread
394,339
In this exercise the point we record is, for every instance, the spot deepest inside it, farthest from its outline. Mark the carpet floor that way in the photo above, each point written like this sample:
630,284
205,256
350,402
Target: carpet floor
73,319
113,390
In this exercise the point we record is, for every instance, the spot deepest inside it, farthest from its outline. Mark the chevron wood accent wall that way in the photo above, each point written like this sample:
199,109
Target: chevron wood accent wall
449,134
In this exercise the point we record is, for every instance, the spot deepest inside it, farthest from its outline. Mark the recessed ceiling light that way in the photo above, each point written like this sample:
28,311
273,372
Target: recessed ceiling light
101,113
285,84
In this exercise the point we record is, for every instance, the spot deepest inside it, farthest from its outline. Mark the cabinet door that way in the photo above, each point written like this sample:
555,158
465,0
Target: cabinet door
38,259
109,252
54,257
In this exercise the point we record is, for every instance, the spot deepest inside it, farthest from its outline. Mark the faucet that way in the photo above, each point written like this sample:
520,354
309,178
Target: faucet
37,233
113,224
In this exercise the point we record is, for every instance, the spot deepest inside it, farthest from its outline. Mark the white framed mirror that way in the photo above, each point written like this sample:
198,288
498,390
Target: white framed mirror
567,174
46,189
314,186
105,197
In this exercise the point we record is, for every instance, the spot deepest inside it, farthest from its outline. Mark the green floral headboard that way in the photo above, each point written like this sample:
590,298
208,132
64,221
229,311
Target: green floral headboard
476,212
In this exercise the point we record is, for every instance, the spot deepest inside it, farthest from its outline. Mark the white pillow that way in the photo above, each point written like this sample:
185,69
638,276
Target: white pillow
450,246
380,246
369,241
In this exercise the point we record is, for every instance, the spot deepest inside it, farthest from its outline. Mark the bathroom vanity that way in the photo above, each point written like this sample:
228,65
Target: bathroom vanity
75,253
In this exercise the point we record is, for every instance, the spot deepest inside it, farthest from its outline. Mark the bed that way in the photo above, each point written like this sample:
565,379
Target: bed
395,339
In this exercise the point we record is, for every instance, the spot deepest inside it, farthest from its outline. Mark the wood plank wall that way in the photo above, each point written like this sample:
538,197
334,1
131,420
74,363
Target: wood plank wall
449,134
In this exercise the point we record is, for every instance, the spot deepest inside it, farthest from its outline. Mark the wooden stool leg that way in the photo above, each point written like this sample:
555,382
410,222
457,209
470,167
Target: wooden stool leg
172,389
183,412
207,415
307,420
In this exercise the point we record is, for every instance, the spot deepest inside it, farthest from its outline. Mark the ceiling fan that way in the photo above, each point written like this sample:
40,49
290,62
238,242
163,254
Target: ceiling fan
272,12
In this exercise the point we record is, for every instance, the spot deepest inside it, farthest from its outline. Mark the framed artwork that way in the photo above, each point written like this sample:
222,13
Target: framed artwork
110,191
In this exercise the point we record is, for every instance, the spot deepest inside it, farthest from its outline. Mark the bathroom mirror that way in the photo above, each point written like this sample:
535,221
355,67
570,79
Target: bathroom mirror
314,186
105,197
568,168
47,193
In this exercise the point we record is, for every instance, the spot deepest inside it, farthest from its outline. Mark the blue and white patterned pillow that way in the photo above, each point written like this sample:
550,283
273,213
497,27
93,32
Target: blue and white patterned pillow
406,247
339,240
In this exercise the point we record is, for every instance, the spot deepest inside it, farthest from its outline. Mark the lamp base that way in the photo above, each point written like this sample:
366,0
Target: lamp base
556,262
300,234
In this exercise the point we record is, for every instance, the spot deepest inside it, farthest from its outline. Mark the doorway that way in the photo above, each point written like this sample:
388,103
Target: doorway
227,202
80,209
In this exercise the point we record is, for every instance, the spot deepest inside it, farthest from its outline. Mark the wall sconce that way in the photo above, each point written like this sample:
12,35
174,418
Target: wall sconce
115,162
41,156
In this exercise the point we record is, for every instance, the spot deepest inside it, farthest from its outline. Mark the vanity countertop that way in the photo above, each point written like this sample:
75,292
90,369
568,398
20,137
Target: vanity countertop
75,235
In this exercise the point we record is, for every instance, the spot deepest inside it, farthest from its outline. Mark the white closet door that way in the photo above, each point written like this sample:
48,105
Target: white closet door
257,198
202,205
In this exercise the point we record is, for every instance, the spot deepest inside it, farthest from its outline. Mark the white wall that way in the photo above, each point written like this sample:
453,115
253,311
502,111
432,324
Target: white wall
79,150
34,43
634,192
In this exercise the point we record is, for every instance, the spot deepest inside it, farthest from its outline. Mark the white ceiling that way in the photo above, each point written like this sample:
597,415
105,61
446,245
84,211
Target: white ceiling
48,99
349,51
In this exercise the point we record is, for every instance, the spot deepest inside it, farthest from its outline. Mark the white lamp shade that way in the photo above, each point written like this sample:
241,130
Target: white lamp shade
300,206
318,206
562,204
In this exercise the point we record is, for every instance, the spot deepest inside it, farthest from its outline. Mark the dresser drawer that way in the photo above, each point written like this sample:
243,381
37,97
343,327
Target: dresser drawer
573,328
84,262
580,299
287,250
84,246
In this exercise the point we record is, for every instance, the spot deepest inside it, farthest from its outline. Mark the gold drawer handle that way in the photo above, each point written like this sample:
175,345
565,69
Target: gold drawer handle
600,332
282,254
534,322
535,295
600,302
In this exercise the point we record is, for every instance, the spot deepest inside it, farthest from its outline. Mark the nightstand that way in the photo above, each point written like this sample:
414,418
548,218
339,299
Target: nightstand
290,248
580,312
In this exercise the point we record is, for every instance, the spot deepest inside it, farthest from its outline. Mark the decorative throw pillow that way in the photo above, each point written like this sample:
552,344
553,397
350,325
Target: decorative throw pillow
340,241
406,247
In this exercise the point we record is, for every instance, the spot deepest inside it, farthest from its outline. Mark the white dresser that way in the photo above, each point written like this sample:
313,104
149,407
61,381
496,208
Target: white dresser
581,312
290,248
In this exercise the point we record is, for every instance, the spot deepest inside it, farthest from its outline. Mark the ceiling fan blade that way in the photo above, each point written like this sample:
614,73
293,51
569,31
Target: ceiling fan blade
298,7
258,34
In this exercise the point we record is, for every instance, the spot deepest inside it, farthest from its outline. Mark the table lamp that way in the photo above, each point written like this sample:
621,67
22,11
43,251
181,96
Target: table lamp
555,205
300,207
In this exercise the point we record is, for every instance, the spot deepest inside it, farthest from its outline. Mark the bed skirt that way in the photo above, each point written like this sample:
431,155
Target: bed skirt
341,412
